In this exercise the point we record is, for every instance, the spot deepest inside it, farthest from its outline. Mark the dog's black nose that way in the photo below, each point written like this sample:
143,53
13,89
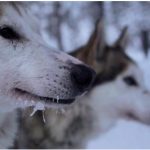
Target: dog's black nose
82,76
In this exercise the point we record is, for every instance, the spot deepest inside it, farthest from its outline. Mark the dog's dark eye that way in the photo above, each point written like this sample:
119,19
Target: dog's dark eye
8,33
130,81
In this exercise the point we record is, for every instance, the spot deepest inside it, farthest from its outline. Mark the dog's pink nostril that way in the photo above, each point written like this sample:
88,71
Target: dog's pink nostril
82,76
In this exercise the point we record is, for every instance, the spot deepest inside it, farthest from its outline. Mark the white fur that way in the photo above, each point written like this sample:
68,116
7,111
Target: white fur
8,129
27,63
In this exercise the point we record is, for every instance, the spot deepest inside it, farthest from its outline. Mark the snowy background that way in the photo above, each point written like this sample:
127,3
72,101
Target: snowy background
67,25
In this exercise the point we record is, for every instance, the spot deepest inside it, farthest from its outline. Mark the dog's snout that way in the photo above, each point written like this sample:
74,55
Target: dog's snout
82,76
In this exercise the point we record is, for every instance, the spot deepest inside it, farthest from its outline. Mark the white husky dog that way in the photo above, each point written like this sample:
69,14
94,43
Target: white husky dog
119,92
31,74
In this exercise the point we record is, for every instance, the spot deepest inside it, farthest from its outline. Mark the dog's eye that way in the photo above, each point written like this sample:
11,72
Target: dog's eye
129,80
8,33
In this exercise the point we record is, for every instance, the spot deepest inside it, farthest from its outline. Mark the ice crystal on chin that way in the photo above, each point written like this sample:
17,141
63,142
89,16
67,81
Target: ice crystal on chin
38,106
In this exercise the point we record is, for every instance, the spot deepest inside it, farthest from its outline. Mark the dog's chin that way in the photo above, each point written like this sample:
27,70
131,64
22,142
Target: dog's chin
25,99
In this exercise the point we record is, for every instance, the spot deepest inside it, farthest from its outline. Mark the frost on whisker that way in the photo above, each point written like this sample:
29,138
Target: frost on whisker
38,106
57,99
43,115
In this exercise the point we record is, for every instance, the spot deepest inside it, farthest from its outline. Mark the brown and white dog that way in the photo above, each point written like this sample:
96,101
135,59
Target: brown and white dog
119,92
32,74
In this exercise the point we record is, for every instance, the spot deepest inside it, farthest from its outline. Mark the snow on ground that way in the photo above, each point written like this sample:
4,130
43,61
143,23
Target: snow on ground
126,134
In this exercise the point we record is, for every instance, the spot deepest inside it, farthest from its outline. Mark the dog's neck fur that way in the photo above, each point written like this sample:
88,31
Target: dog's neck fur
8,129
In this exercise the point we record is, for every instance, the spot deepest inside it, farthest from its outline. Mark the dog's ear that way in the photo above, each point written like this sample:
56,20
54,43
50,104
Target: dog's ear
100,40
96,44
93,49
122,41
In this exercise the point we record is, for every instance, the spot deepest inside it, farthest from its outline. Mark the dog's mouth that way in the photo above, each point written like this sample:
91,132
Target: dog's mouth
32,99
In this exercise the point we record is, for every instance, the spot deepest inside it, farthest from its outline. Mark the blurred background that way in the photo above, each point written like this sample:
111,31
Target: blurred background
68,25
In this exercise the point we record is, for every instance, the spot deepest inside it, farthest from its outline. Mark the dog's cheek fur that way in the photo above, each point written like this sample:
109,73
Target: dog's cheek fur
37,57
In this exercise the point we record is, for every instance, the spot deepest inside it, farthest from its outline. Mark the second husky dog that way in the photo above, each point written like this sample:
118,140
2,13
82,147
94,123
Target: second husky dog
119,92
